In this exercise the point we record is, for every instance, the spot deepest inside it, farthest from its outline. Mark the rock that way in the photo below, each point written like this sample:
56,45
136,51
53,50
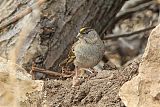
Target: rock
8,67
144,89
16,85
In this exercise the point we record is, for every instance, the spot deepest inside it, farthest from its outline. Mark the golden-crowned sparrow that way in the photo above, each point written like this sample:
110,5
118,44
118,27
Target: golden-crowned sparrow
87,52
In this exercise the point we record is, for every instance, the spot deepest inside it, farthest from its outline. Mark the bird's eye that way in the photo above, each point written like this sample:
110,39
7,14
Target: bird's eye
85,32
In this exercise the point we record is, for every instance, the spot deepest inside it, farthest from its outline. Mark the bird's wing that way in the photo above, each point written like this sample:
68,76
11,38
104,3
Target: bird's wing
69,59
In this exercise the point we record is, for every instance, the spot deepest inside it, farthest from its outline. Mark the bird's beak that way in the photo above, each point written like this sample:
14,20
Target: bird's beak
79,35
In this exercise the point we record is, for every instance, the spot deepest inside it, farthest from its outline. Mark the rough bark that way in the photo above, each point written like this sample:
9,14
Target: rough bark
97,14
59,23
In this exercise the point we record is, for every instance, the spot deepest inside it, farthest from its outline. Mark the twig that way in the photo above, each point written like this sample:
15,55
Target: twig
51,73
133,3
21,14
31,72
9,13
129,11
112,36
124,14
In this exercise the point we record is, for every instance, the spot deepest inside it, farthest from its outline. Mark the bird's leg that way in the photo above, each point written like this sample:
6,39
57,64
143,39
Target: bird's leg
76,70
76,80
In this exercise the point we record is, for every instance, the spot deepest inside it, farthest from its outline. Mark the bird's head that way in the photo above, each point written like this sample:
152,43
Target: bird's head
87,34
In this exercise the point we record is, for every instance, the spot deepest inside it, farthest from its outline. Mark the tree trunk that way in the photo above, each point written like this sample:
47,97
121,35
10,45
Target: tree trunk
59,23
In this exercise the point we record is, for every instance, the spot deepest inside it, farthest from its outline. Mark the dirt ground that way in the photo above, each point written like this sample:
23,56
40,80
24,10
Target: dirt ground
99,91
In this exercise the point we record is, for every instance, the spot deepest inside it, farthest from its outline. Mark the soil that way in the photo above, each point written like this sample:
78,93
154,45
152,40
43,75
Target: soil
99,91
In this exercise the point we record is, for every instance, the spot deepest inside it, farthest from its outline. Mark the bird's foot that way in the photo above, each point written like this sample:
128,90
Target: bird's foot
91,73
77,81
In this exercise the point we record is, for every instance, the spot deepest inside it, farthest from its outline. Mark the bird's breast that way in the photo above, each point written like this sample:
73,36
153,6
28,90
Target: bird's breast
87,55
